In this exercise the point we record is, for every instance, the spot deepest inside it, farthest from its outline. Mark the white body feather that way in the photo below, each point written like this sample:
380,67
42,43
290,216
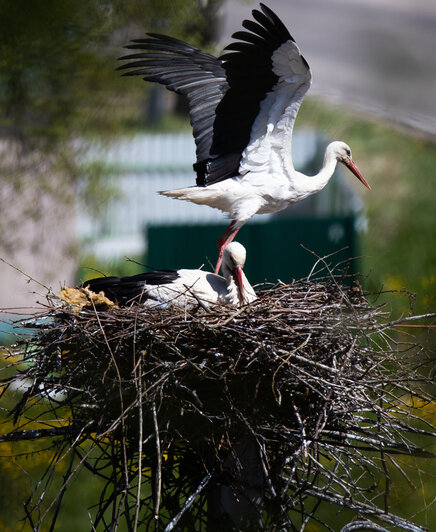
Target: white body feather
191,287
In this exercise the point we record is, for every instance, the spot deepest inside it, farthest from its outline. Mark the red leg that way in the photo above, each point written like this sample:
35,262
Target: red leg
228,236
222,239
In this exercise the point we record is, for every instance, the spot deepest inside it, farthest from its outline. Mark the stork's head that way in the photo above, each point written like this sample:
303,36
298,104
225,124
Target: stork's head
234,255
342,152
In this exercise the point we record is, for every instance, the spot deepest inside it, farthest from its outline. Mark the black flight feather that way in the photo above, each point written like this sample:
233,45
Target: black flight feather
125,290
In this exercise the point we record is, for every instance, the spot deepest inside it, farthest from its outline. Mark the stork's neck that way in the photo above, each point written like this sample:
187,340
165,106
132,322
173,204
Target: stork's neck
227,272
303,186
320,180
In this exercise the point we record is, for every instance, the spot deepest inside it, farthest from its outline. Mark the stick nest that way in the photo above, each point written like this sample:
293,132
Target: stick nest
159,403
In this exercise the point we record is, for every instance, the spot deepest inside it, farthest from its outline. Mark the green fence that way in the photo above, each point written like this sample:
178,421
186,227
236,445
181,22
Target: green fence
274,249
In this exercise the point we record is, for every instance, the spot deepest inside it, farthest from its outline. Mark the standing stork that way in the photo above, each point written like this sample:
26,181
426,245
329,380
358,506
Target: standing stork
242,107
182,288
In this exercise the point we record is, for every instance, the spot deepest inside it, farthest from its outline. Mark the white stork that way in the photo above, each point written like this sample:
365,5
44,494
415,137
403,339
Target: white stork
242,107
182,288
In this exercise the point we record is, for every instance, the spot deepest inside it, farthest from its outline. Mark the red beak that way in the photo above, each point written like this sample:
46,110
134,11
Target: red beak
237,276
349,163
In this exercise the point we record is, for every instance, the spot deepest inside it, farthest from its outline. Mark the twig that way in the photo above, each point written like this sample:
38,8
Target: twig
363,525
188,503
25,274
158,481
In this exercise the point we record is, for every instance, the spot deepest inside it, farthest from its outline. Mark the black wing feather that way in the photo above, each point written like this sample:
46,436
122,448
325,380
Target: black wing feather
224,94
248,66
126,290
272,22
186,70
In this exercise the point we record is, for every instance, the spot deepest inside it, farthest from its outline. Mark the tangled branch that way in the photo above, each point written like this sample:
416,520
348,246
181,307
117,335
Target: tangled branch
310,388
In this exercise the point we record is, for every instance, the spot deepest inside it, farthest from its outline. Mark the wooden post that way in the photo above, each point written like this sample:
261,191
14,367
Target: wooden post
238,502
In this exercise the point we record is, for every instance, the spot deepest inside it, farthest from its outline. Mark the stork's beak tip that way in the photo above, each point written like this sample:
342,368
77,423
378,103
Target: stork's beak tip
352,166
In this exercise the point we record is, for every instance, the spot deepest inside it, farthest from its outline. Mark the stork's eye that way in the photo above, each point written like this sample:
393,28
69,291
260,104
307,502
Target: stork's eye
348,153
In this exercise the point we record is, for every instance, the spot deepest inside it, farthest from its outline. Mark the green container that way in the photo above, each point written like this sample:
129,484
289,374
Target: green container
274,249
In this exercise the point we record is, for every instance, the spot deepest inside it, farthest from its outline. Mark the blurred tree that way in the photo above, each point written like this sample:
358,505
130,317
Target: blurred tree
57,61
58,89
57,79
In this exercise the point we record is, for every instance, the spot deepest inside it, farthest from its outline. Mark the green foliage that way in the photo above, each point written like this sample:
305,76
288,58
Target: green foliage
58,60
92,267
399,250
58,84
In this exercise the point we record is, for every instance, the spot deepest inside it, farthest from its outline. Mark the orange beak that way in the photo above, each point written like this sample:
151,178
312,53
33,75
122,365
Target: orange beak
349,163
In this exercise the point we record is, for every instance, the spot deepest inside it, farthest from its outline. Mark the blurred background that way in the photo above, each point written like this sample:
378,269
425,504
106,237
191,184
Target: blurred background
83,151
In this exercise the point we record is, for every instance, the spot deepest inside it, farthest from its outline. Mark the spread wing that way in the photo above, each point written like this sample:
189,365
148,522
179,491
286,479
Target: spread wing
186,70
236,99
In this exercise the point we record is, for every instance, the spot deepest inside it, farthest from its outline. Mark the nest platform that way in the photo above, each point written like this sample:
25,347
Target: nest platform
295,399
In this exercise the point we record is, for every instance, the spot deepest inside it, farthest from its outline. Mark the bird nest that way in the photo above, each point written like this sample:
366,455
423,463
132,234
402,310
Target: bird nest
300,397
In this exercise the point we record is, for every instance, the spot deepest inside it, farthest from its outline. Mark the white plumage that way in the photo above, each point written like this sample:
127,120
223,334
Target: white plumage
243,107
184,287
